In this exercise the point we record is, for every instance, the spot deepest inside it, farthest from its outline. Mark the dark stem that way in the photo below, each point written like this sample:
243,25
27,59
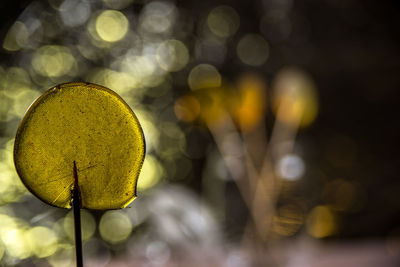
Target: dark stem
76,203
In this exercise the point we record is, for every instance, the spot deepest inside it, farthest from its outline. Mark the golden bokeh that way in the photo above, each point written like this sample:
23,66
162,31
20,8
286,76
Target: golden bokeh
144,70
88,225
151,173
17,245
43,241
111,25
215,103
204,76
187,108
294,99
150,129
13,236
122,82
12,189
115,227
250,107
321,222
53,61
172,55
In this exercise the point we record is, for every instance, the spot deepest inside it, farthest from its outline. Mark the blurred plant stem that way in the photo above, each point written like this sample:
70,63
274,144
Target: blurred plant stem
258,183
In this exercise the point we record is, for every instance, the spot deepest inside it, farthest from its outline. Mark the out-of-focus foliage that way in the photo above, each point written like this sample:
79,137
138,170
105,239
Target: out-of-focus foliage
87,125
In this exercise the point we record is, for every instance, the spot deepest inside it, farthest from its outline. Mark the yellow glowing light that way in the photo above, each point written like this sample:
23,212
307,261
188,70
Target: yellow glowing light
121,81
53,61
253,50
15,240
251,105
151,174
187,108
215,105
204,76
6,179
321,222
6,223
295,99
208,104
115,227
223,21
16,37
150,128
88,225
42,240
139,66
111,25
143,69
172,55
11,188
9,150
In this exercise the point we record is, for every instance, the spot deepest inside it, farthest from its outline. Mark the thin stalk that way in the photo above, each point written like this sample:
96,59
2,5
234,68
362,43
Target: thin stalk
76,203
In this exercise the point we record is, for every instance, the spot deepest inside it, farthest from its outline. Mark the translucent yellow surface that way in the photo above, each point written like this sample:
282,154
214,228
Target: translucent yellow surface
88,124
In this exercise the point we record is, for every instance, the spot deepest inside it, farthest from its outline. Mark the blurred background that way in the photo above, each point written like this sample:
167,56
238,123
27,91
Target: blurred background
270,128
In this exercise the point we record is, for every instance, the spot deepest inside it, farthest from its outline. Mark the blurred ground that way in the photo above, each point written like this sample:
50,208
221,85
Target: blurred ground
271,130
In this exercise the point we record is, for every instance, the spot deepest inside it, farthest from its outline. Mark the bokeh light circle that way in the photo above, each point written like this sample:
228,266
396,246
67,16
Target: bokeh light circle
223,21
115,227
112,25
172,55
204,76
53,60
253,50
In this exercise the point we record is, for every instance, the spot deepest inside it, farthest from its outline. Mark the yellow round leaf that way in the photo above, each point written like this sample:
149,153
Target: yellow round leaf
88,124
